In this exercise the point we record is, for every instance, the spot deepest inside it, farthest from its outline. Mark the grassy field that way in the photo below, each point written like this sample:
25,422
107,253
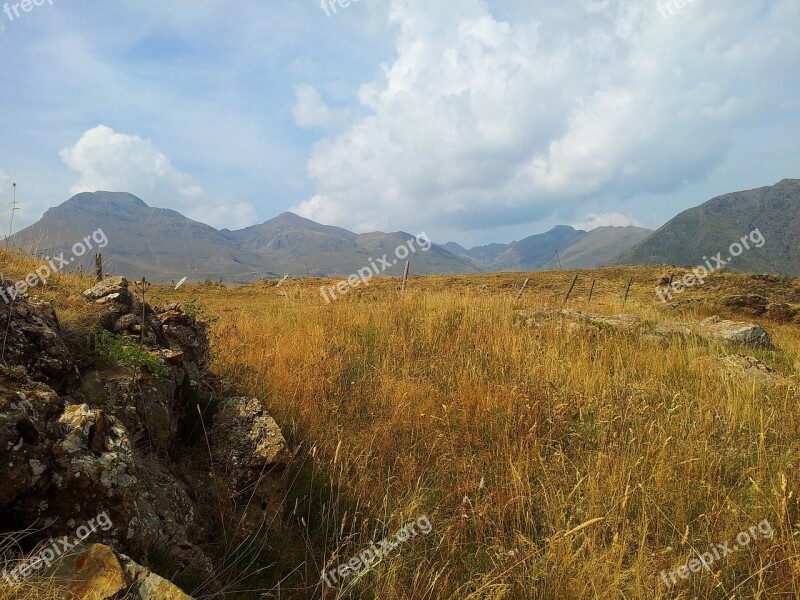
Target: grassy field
552,462
511,438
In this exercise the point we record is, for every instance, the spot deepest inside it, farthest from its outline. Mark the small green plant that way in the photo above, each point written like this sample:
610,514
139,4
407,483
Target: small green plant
126,352
193,309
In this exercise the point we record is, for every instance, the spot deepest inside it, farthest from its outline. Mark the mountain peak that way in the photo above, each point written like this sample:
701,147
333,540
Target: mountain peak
117,198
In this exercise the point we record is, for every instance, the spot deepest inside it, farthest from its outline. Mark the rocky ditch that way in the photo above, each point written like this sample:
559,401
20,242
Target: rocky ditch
124,437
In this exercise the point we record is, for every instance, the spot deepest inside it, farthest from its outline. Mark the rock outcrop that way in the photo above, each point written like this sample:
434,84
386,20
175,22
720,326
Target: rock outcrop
32,340
100,573
734,333
714,329
78,440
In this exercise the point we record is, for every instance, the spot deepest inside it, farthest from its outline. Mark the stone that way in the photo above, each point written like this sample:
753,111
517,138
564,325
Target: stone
99,573
32,340
753,368
734,333
110,290
245,440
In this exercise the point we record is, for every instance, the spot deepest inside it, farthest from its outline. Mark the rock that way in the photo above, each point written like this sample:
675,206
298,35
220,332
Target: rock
187,335
110,290
673,329
28,412
33,341
734,333
245,440
753,368
99,573
623,322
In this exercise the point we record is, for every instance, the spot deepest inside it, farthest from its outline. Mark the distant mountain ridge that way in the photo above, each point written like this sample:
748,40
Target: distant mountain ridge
164,245
712,227
561,247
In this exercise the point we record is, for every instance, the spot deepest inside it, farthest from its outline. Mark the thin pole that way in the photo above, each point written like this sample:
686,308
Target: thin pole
571,287
628,291
522,291
13,210
560,268
591,291
405,277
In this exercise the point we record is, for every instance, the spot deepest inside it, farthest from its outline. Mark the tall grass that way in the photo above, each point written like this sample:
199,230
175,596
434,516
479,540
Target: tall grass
553,461
509,438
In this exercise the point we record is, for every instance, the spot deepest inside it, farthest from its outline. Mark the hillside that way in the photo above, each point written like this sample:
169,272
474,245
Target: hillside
163,245
158,243
537,251
599,247
711,228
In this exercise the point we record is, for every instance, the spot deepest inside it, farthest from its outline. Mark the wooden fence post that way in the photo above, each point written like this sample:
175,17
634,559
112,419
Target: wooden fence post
571,287
591,290
522,291
628,291
98,266
405,277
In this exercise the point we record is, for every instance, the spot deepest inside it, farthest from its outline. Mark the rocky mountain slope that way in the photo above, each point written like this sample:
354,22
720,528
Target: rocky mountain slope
711,228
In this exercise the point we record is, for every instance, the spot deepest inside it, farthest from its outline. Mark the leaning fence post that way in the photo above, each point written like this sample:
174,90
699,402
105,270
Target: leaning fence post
591,290
522,291
571,287
628,291
405,277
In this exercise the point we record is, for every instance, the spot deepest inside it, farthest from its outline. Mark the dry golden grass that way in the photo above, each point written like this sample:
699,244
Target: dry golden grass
553,464
509,437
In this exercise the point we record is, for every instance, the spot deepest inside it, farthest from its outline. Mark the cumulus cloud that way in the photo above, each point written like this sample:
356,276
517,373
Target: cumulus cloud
611,219
478,121
310,110
117,162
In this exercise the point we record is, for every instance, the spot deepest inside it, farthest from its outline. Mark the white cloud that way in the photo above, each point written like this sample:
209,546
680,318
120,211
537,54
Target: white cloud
595,220
118,162
478,120
310,109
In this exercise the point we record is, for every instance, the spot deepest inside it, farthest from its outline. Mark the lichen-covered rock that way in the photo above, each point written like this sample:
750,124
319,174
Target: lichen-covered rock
109,291
28,412
100,573
187,335
32,340
734,333
752,368
623,322
245,440
672,329
148,406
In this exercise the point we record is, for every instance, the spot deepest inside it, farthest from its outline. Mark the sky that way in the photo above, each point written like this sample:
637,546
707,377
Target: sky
474,121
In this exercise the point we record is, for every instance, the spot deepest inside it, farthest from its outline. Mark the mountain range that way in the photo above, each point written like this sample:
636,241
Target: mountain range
164,245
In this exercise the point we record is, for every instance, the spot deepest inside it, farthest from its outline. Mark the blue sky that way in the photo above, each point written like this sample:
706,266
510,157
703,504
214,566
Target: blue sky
471,120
